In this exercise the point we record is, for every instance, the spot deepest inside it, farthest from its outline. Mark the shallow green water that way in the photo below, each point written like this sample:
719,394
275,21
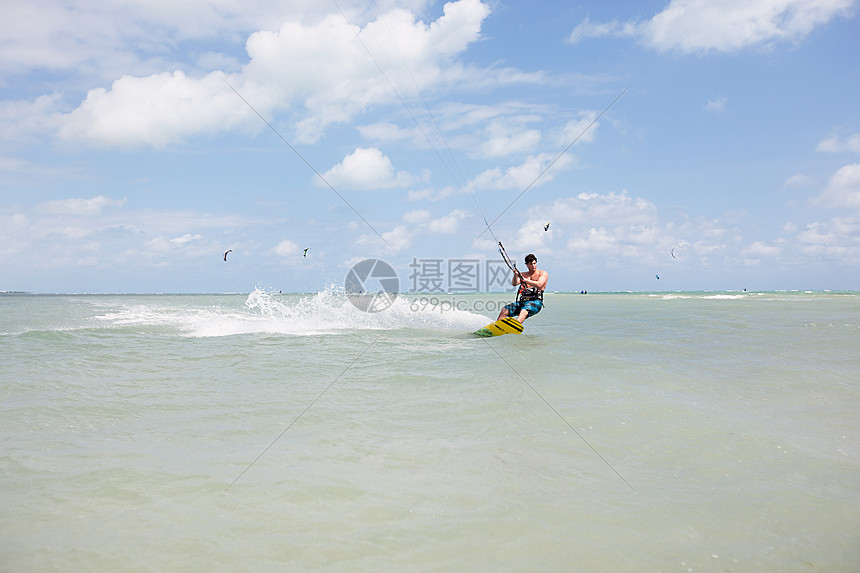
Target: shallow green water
621,432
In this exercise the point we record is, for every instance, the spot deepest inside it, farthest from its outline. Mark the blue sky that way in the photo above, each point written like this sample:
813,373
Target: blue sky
128,164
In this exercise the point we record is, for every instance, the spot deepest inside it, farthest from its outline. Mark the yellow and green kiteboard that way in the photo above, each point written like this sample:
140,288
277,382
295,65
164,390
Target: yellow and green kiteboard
502,326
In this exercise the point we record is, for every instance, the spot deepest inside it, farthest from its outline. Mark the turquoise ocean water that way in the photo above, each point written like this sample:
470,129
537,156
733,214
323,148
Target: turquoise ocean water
265,432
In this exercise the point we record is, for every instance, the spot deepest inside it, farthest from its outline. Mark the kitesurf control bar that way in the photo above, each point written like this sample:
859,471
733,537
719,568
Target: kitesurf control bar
508,262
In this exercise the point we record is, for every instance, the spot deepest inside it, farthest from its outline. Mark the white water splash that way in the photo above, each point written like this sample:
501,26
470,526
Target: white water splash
331,311
263,312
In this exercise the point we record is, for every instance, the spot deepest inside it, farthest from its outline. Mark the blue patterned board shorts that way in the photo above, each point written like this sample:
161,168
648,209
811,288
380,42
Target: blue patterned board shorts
533,306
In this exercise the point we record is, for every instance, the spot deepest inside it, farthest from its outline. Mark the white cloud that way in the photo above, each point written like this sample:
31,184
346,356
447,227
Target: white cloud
155,110
98,38
521,176
327,68
584,129
61,230
589,29
479,131
701,25
416,223
837,239
836,144
431,194
614,225
798,180
692,26
186,238
322,67
286,248
595,239
82,207
504,140
706,249
161,245
417,216
531,235
387,132
717,105
843,190
447,224
759,249
617,208
366,168
608,229
637,243
20,120
398,238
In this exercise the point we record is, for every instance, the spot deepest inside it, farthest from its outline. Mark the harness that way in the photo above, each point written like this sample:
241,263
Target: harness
527,294
524,294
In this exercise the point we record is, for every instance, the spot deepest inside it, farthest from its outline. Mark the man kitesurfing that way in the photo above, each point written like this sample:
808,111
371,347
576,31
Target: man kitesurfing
532,283
529,300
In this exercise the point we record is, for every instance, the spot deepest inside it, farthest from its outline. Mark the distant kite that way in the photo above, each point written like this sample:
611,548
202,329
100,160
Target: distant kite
658,277
546,227
305,255
225,253
676,247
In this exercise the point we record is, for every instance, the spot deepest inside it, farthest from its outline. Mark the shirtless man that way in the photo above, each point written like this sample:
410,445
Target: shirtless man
530,295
